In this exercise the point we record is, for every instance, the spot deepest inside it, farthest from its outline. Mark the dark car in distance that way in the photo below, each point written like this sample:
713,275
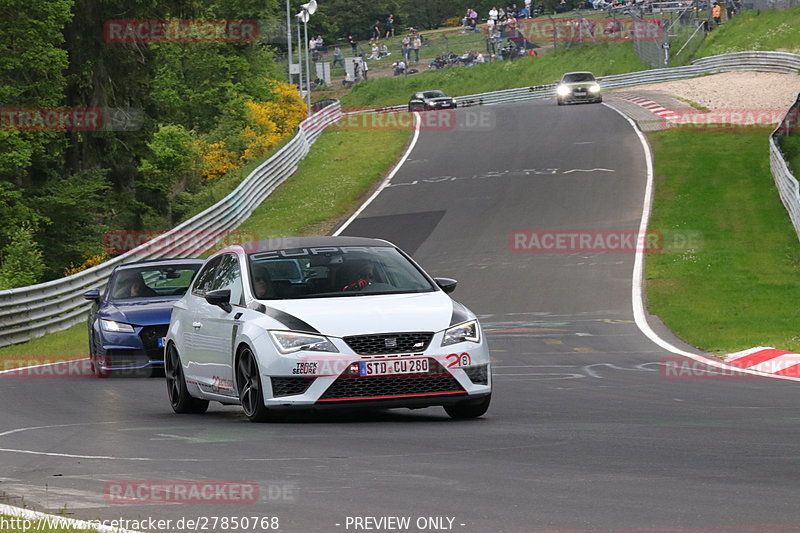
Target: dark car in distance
129,318
578,87
430,100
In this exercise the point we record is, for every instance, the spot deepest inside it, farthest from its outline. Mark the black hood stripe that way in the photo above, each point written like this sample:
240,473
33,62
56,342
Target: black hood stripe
290,321
460,314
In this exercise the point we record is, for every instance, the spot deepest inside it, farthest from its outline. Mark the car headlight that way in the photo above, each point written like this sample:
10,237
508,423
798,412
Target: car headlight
594,88
290,342
467,331
116,327
563,90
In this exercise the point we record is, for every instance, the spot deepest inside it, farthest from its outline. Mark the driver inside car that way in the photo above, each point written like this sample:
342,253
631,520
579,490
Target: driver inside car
262,284
362,276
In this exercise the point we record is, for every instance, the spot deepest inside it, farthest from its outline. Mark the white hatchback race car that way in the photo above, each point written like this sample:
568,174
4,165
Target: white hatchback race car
316,322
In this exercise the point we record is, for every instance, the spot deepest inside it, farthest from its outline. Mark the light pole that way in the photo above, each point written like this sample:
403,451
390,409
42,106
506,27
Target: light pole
289,37
307,10
299,55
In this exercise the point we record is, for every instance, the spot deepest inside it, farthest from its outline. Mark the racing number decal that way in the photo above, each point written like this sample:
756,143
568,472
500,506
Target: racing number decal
456,359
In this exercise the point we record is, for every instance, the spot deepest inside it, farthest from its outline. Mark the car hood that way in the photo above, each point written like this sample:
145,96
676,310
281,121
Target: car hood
148,312
359,315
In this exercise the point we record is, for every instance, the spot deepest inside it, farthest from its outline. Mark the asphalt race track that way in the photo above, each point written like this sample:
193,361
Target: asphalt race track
585,432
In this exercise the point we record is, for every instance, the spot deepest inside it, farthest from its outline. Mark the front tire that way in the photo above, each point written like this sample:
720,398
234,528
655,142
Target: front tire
469,408
248,381
560,101
182,402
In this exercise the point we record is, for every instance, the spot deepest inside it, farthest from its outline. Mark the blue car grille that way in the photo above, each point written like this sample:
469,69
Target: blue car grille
150,336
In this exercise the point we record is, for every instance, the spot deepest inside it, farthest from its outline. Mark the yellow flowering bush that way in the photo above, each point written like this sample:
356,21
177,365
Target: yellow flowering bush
89,262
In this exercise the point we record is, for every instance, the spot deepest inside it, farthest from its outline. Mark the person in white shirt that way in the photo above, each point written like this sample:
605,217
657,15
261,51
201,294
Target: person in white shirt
493,14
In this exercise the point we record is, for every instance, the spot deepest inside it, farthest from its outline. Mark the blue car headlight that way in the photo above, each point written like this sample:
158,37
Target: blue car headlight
466,331
115,327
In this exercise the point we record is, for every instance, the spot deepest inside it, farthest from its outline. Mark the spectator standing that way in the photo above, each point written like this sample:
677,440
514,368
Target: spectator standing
364,68
493,14
716,13
353,44
405,47
390,26
375,31
338,57
416,44
528,6
730,8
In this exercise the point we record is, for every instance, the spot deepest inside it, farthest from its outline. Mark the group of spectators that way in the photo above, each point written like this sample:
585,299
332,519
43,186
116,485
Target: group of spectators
504,15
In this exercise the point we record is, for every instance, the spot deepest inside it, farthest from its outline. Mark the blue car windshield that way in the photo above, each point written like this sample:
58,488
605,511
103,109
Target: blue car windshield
333,271
151,281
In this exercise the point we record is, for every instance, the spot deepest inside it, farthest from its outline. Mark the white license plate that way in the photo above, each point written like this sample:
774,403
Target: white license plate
393,367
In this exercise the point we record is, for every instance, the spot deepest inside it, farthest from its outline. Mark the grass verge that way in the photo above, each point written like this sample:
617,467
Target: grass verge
738,290
774,29
602,59
330,182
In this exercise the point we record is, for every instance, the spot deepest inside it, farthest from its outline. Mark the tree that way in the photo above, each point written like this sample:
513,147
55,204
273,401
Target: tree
32,65
173,163
21,260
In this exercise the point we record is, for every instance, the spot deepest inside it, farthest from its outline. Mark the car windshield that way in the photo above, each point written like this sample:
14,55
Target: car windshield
332,271
152,281
578,77
433,94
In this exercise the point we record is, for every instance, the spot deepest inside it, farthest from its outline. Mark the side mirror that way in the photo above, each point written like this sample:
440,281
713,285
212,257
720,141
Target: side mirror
93,295
446,284
221,298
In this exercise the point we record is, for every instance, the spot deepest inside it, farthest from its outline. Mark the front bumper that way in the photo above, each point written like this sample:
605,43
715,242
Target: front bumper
142,349
312,379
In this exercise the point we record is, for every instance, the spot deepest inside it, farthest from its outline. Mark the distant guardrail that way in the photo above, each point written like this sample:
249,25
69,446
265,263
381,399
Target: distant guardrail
29,312
785,181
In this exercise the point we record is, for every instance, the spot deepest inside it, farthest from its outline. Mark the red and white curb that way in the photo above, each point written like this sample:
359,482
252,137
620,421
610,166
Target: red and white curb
651,106
767,360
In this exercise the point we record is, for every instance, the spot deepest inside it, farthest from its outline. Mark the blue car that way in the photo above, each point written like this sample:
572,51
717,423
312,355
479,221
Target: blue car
129,320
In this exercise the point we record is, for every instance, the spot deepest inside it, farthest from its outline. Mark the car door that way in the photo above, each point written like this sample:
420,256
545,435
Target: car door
185,313
215,328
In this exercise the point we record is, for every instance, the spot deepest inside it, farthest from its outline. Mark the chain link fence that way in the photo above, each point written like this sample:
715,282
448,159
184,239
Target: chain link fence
768,4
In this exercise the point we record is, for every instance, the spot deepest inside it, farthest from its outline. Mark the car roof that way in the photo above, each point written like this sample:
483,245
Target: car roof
162,262
290,243
578,72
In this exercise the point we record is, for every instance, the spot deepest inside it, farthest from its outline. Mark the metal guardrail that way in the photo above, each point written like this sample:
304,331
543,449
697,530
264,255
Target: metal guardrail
785,181
29,312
